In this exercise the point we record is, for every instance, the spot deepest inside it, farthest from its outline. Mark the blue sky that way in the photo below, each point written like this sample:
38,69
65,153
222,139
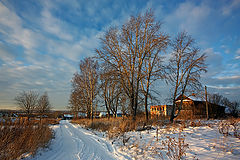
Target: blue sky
42,42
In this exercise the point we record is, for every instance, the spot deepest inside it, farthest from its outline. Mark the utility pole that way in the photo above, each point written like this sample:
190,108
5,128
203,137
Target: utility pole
206,102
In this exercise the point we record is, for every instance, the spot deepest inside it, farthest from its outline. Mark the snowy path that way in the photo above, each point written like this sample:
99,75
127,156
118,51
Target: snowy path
72,143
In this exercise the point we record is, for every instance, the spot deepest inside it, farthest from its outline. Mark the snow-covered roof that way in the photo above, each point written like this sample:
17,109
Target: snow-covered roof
68,115
194,98
119,112
103,113
189,98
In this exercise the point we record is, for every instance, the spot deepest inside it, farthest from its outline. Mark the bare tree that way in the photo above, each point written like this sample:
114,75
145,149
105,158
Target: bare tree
125,50
85,86
153,70
216,99
186,64
78,101
43,105
111,89
233,107
27,101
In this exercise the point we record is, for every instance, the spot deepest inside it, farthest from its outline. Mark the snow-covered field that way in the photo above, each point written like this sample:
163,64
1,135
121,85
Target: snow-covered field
203,142
197,142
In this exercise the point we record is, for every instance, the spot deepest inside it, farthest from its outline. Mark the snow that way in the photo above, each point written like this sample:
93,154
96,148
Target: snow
72,142
194,98
203,142
102,114
68,115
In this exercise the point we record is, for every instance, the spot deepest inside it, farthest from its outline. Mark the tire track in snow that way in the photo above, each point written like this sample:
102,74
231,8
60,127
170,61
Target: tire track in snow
105,144
93,146
72,142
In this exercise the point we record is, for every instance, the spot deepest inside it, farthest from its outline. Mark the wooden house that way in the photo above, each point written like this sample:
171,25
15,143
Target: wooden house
194,107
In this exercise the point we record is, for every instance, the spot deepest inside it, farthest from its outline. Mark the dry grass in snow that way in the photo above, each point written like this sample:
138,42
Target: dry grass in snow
199,139
21,137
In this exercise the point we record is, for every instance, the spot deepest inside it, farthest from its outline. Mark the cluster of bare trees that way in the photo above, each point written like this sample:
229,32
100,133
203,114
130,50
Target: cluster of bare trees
133,52
232,107
112,92
31,102
85,87
131,58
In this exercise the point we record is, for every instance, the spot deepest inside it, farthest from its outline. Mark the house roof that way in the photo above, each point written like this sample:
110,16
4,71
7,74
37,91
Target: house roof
194,98
68,115
189,98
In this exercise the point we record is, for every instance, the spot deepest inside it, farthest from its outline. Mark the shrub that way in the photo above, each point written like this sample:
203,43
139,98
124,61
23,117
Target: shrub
22,137
224,127
176,148
236,127
229,127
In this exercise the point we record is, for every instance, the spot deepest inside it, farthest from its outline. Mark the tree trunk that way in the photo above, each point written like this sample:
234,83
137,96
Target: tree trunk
173,107
206,102
146,109
172,112
132,105
135,105
91,111
41,119
146,98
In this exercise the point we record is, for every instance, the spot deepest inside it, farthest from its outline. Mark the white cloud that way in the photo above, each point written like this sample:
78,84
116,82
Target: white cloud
9,18
226,49
55,26
237,54
5,56
227,9
188,16
237,57
75,50
229,77
238,51
47,64
54,78
226,87
13,29
214,62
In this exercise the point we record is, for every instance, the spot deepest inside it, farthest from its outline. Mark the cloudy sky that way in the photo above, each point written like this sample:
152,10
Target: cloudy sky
42,42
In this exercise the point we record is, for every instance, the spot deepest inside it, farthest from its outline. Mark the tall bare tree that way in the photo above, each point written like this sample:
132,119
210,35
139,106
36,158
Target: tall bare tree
27,101
85,86
153,70
186,64
125,49
78,99
43,105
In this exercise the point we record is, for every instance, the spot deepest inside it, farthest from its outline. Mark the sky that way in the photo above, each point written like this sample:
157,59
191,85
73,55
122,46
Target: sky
42,42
